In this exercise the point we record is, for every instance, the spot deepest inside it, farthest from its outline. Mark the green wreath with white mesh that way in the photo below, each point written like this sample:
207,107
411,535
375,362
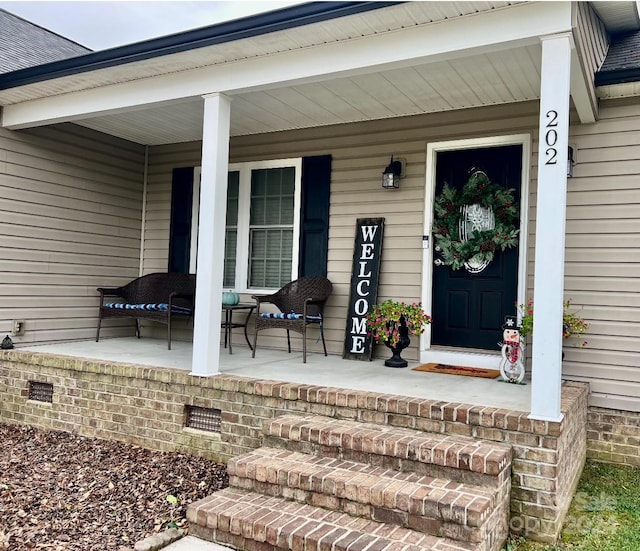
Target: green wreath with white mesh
455,252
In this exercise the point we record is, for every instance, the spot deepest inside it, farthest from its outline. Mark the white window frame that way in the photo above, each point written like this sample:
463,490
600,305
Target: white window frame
244,206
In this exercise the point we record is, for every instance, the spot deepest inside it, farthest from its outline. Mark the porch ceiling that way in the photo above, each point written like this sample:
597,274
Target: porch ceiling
499,77
392,61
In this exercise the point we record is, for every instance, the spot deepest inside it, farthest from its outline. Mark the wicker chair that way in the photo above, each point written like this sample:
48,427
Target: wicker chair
301,303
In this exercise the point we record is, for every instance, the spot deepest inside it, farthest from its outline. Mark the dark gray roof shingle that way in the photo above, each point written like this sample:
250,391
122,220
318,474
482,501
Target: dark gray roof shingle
23,44
622,63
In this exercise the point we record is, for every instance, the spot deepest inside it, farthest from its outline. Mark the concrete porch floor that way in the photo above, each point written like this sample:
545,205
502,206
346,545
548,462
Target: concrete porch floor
331,371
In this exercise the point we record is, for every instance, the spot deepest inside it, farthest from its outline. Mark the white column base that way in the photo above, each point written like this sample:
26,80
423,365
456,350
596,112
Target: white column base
549,419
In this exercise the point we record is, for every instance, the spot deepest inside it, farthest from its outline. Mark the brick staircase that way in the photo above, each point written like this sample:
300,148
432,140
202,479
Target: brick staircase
324,484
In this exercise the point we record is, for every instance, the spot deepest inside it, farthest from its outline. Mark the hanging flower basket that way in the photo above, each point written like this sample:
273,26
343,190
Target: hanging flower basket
473,223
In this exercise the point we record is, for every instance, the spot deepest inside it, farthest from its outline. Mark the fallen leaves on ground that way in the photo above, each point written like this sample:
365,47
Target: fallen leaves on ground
64,492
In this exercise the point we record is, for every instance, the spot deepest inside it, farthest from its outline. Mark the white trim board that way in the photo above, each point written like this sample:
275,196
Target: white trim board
484,359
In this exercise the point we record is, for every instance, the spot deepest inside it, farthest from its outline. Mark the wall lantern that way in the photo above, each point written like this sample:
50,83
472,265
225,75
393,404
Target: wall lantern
570,162
392,174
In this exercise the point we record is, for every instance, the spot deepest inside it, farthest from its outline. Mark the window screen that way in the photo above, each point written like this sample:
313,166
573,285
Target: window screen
271,227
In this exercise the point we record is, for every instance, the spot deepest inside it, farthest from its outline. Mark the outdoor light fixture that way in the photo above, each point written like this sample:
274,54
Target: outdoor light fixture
392,174
570,162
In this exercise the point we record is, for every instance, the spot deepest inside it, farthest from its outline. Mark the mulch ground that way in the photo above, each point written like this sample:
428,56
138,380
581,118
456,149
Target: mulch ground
64,492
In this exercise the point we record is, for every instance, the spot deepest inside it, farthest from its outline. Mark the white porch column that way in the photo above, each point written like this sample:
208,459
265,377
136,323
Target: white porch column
211,232
550,227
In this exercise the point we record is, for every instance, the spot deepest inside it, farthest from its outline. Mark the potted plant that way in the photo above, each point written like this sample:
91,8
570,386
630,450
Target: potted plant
392,322
572,325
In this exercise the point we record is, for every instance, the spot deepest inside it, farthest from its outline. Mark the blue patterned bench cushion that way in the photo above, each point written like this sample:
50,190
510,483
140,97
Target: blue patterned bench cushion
282,316
151,307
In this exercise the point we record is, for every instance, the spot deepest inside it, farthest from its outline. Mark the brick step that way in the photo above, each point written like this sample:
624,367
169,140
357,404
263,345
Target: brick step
457,458
247,520
435,506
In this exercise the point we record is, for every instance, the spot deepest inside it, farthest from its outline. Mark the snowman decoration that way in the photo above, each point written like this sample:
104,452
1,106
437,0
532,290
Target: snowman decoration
512,364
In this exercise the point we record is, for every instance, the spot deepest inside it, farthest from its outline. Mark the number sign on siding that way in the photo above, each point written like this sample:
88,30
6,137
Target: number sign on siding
367,252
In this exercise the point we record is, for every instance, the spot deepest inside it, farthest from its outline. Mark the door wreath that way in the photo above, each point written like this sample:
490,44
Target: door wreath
471,224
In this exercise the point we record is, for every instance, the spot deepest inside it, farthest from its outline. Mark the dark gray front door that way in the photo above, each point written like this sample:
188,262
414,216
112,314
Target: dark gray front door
469,309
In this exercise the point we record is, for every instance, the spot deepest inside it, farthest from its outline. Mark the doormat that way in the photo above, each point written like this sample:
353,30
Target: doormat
459,370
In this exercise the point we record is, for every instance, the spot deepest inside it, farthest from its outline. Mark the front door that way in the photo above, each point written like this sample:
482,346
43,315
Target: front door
468,309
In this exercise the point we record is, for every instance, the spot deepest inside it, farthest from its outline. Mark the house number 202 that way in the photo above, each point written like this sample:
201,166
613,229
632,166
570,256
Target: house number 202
551,137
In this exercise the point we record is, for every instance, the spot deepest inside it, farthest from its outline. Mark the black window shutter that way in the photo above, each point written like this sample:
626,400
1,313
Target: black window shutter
314,216
180,229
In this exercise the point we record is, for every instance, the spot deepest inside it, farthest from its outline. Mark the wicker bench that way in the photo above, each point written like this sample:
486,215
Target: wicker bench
158,297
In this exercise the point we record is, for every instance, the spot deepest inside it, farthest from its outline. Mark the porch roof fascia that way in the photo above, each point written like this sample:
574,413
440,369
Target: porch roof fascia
246,27
521,24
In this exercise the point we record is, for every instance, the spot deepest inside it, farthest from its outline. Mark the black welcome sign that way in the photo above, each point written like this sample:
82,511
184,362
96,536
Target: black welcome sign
367,253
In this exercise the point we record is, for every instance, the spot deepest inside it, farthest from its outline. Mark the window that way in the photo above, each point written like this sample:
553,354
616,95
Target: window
262,225
271,227
263,219
275,230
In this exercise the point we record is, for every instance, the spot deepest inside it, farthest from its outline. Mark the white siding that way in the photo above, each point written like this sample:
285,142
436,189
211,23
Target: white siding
603,255
592,43
162,161
70,212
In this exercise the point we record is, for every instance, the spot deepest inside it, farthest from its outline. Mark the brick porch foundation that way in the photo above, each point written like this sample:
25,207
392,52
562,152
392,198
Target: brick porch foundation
146,406
614,436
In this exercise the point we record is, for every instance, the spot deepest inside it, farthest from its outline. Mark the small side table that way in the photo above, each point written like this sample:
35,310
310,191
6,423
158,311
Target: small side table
229,325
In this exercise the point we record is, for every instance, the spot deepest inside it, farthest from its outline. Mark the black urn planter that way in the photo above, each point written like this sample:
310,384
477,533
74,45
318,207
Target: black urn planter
7,343
395,360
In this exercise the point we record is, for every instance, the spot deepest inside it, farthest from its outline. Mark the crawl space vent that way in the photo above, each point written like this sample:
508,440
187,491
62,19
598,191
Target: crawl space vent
203,418
41,392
